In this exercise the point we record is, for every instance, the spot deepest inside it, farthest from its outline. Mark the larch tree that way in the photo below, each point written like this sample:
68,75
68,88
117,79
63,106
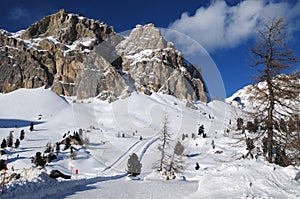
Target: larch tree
277,90
164,139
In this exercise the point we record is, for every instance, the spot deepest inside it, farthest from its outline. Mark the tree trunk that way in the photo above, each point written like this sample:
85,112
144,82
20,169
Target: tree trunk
270,119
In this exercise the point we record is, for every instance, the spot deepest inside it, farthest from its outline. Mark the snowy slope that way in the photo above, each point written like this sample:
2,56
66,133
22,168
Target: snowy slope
102,162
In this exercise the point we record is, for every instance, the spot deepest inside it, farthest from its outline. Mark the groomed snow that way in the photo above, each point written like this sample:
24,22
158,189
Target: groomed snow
102,162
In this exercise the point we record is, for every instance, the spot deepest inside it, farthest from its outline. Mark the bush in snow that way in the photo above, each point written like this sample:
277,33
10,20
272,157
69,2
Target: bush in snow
213,144
134,165
193,136
250,147
48,148
201,130
239,123
38,160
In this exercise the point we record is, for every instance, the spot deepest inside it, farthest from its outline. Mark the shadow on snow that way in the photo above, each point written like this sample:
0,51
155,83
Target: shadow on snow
16,123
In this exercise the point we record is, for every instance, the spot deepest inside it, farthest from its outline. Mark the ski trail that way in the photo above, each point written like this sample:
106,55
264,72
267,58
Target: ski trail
146,147
122,156
141,146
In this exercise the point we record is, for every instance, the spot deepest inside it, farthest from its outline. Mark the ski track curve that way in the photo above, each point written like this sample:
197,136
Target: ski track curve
52,188
139,147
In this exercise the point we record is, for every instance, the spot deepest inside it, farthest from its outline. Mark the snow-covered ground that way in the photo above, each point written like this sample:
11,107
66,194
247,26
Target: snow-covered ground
101,164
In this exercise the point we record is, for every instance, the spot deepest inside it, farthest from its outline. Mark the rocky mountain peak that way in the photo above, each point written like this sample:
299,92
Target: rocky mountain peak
67,28
144,37
77,56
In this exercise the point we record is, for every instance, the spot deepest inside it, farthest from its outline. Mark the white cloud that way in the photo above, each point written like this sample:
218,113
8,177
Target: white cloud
222,26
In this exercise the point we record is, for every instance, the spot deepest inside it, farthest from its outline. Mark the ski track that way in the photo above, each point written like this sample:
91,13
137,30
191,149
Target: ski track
139,147
44,190
121,157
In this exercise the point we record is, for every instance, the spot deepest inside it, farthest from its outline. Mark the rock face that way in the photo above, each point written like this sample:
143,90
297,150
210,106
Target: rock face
155,66
74,55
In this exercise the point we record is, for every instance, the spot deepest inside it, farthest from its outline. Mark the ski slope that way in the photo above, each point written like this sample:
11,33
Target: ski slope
102,162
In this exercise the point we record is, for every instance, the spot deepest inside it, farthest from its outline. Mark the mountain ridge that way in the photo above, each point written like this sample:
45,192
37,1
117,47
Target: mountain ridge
62,51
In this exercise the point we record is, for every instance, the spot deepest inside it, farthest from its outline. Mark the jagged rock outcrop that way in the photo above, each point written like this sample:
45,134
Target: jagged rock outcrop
50,52
155,66
74,55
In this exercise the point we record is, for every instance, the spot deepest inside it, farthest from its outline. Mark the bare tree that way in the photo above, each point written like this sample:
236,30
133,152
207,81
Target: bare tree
164,139
276,94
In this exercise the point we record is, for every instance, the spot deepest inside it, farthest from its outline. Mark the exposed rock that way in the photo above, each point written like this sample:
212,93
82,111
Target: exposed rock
78,56
99,78
155,66
51,52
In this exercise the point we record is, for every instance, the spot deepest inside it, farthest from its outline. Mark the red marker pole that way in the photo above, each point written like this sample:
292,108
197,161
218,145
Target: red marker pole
76,172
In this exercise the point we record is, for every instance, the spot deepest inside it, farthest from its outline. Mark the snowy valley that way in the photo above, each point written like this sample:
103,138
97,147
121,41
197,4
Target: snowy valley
114,131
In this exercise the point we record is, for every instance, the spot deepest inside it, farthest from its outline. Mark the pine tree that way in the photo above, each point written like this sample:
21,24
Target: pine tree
10,139
22,135
272,57
17,143
133,165
31,126
57,148
3,144
67,143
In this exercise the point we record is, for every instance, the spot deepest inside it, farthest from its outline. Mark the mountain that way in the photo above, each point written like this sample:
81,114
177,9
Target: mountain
76,56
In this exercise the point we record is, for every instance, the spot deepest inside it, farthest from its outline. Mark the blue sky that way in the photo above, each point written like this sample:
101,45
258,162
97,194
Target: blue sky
226,29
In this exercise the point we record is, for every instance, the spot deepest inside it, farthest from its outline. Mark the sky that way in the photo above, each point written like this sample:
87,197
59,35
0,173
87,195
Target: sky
225,29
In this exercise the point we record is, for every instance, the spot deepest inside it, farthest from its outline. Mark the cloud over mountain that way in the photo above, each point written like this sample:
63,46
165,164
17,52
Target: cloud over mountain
223,26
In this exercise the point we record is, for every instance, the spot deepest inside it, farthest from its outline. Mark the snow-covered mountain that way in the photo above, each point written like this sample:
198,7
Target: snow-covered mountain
69,62
77,56
101,162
